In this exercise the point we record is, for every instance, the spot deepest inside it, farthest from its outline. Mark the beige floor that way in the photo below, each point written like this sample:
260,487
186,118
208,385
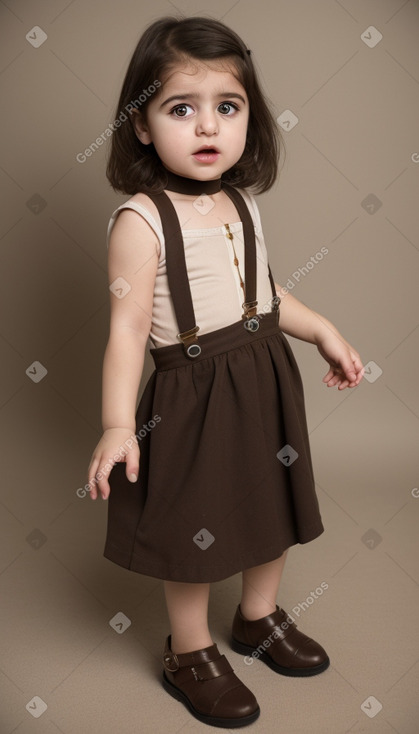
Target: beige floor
57,599
355,91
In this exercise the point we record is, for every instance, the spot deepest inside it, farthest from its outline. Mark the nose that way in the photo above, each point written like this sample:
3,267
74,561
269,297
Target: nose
207,123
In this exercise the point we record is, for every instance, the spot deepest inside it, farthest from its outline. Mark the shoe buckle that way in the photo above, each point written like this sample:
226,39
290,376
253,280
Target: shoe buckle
171,662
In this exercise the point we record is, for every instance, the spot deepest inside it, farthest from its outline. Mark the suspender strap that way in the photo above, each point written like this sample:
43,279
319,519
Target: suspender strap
250,304
272,283
177,274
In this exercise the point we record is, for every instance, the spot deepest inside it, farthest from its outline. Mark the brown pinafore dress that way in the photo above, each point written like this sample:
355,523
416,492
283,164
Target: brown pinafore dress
226,479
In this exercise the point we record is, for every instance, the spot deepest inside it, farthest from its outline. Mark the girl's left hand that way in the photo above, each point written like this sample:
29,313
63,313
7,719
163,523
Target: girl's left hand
346,369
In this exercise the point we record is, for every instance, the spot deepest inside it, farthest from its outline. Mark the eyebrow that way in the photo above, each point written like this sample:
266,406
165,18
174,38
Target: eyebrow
184,97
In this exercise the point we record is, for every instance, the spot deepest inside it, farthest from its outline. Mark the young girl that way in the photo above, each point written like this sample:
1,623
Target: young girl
212,475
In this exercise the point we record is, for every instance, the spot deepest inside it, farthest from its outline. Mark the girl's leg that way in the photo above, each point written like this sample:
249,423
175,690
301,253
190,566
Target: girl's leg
187,606
260,586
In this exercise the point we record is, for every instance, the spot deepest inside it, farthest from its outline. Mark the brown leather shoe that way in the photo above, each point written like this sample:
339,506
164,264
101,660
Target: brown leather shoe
205,682
276,641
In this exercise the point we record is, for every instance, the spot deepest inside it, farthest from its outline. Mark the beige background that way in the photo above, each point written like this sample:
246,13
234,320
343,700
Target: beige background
357,135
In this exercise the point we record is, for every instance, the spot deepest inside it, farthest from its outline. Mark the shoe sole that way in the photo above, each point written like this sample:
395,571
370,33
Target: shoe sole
265,658
211,720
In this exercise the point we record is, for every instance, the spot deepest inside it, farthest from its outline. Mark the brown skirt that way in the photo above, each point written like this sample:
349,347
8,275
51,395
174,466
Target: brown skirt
226,479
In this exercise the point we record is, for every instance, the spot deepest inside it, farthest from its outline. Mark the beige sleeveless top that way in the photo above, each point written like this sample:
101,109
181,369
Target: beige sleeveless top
214,280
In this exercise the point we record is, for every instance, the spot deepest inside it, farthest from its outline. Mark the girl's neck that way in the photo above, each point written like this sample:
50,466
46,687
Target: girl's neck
191,186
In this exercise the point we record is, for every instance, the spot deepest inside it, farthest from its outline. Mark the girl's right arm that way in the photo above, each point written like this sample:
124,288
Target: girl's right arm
133,257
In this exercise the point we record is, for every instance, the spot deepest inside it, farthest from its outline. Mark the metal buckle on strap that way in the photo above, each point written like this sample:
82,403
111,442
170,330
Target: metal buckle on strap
251,322
171,662
250,309
275,303
190,342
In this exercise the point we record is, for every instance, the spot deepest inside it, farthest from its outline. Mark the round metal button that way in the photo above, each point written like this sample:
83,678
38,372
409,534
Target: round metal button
194,350
251,324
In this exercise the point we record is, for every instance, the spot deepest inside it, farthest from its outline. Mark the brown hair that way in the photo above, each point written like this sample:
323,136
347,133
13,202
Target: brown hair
134,167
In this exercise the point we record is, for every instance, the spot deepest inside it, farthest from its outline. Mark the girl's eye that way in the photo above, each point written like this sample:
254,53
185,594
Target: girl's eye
184,110
227,108
180,110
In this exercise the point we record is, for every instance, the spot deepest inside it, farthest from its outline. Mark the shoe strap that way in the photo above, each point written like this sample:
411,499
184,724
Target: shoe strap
202,672
173,662
272,624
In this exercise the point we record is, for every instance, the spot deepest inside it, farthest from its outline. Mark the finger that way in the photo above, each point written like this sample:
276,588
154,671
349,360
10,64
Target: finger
357,361
99,483
132,466
359,372
327,377
349,372
346,367
105,489
91,478
334,381
351,383
358,366
102,484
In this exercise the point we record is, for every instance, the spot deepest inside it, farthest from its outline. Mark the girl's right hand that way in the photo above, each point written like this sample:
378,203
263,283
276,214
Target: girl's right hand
107,453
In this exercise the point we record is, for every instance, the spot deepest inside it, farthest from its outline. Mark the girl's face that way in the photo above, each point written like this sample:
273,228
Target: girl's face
197,108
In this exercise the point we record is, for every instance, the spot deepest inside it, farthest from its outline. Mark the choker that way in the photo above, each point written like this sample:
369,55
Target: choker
192,186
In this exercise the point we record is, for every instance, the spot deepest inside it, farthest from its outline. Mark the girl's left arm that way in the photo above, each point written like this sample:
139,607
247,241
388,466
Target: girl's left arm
295,319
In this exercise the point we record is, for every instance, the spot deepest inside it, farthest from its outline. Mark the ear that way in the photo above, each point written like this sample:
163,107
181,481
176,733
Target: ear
140,127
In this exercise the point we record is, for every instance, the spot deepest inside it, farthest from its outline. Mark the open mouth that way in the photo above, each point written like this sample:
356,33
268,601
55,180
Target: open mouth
207,155
206,149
